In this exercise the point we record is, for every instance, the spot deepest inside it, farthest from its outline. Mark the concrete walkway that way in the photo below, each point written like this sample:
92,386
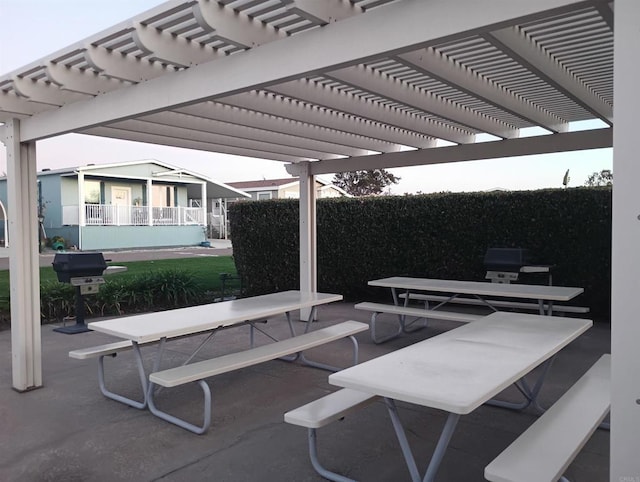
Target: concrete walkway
67,431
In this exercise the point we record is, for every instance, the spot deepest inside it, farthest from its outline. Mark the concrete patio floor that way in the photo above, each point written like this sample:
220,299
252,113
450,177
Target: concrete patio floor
67,431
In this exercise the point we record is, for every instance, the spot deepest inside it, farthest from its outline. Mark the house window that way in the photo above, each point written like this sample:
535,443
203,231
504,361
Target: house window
92,192
163,196
264,195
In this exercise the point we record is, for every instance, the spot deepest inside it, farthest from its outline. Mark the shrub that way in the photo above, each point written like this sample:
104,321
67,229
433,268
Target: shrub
437,236
150,291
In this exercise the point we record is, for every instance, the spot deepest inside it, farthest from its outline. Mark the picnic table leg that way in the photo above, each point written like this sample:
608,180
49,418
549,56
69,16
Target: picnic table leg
402,319
377,340
121,398
292,331
441,447
206,415
402,439
330,368
315,461
300,355
530,394
438,453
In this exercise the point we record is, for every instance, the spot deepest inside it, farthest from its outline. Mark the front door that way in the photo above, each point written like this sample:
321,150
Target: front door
121,201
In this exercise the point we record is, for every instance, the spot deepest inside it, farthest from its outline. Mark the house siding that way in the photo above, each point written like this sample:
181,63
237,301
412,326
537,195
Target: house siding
54,190
95,238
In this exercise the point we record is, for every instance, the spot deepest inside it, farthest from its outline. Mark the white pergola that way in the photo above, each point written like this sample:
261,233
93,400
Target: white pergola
339,85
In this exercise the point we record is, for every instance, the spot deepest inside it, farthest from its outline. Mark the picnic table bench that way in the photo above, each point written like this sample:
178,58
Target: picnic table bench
323,411
544,451
198,371
520,305
403,311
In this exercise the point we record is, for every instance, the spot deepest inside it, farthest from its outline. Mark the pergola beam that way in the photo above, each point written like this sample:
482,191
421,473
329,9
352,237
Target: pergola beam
186,133
234,26
272,104
380,84
287,125
245,133
565,142
431,63
12,106
329,97
377,31
193,129
518,46
162,140
122,67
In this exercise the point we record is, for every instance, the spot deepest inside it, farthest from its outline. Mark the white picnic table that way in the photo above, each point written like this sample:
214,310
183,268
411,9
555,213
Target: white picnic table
148,327
462,369
480,290
164,325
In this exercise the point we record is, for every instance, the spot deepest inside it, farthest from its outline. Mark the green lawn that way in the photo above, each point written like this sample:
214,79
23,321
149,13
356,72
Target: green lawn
206,270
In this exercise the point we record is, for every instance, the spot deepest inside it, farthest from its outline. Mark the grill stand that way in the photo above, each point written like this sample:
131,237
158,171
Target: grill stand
80,326
83,285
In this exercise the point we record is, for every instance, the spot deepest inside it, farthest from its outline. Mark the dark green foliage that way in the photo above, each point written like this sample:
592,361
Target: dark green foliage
436,236
268,245
151,291
56,300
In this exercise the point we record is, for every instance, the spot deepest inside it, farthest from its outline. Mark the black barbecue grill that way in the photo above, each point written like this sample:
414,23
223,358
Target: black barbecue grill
84,271
504,265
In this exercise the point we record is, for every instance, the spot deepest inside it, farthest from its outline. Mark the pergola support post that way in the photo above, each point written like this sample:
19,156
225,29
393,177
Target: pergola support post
24,278
308,239
625,274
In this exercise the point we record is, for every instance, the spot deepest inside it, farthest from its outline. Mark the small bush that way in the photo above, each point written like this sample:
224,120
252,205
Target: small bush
57,300
150,291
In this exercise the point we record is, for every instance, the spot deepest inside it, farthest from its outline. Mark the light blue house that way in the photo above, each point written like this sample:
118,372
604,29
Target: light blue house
138,204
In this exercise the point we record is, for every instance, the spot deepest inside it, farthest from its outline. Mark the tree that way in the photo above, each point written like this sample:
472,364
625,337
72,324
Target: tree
602,178
365,183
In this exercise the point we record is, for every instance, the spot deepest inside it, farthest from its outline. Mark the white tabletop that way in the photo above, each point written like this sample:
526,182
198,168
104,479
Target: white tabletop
461,369
194,319
480,288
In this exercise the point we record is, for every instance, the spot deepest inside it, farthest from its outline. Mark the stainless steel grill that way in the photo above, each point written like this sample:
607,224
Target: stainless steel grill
504,265
83,271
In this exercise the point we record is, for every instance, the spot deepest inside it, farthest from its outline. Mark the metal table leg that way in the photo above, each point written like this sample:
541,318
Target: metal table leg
530,394
438,453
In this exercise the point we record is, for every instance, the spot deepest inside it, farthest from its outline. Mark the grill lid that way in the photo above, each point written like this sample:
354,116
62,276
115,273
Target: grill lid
506,259
72,265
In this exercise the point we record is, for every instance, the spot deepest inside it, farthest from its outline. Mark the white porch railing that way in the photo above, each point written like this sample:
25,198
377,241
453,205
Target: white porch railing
113,215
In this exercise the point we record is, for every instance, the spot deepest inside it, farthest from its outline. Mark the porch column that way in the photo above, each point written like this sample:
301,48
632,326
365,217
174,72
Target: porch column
308,248
204,207
82,212
24,268
223,217
149,202
625,266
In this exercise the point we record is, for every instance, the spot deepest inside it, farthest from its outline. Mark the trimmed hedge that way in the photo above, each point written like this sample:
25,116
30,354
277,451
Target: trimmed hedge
437,236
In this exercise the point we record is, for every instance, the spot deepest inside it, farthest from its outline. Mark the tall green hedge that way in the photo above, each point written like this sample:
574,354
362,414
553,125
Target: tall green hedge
437,236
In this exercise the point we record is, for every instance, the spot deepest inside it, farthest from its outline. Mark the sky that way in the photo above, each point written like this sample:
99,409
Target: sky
32,29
